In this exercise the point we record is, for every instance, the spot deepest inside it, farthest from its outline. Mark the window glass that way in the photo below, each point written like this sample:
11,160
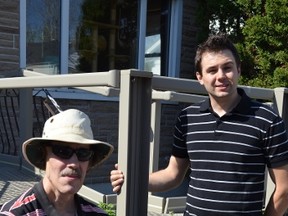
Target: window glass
152,53
43,36
156,47
102,35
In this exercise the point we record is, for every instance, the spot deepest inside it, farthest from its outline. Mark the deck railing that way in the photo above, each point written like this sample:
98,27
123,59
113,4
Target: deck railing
141,95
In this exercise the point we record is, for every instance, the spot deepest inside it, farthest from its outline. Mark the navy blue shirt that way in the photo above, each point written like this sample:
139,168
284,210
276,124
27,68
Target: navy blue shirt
228,156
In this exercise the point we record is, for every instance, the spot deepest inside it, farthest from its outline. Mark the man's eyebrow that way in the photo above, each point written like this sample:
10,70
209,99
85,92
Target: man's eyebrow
216,66
212,67
229,62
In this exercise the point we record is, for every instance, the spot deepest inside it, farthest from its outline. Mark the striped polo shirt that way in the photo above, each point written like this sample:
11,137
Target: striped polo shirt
228,156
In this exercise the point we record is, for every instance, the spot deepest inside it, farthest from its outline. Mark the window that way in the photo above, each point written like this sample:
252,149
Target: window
102,35
43,36
157,34
153,54
79,36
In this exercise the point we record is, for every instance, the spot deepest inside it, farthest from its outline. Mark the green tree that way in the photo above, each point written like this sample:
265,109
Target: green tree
266,39
222,15
260,30
109,208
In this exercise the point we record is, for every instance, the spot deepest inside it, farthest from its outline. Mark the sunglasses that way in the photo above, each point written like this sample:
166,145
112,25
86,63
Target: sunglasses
65,152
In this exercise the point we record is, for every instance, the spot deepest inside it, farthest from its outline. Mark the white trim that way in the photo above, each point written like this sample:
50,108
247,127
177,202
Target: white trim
22,35
64,38
142,33
175,38
74,94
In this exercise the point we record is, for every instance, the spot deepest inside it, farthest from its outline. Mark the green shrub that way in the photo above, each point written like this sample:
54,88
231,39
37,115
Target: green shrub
109,208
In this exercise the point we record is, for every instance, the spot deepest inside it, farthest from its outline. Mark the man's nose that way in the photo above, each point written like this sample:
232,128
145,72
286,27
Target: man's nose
74,159
221,73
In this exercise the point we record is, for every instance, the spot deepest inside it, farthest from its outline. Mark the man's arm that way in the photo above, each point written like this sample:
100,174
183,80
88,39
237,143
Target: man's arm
162,180
170,177
278,202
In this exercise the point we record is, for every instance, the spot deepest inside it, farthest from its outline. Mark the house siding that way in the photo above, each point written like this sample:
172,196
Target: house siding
9,36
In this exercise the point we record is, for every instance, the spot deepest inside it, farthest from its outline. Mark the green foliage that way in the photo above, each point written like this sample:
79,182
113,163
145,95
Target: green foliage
266,40
214,16
109,208
247,61
261,80
280,77
259,29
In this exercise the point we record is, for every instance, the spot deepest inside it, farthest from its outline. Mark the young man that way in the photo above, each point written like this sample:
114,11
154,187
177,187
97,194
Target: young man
66,151
227,142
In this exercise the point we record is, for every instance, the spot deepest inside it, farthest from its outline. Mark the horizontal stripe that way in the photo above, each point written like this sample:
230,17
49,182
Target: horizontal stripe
227,182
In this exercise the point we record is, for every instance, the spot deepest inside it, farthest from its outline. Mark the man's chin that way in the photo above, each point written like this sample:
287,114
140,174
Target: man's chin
221,94
70,189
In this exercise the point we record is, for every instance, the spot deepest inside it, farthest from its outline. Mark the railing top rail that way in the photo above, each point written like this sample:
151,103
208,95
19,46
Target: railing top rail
193,86
36,80
107,83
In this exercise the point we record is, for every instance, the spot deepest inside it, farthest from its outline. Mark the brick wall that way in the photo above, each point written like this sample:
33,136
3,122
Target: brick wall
9,36
189,39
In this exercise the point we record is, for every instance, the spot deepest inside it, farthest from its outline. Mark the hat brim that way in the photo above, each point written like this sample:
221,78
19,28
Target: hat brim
34,152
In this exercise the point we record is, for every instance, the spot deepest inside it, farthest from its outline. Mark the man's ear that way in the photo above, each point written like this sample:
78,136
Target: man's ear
199,77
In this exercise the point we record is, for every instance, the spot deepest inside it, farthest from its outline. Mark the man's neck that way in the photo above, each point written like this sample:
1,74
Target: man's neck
65,207
224,105
63,203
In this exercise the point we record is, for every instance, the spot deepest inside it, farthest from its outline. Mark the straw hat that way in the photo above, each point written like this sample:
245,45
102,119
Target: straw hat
70,126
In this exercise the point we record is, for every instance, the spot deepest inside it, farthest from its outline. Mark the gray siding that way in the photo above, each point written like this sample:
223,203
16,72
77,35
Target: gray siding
9,36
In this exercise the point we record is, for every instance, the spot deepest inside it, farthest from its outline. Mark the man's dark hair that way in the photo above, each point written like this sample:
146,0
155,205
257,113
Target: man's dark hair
215,43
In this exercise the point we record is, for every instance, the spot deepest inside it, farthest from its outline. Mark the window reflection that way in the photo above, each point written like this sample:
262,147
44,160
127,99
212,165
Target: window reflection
157,34
102,35
43,36
152,53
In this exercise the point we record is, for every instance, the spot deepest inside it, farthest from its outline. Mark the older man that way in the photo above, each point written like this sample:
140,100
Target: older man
66,151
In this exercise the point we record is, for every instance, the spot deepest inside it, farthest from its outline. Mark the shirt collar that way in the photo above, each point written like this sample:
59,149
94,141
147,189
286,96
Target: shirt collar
242,106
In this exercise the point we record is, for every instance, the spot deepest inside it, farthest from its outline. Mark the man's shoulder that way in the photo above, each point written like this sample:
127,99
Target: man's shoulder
253,107
266,110
195,107
20,204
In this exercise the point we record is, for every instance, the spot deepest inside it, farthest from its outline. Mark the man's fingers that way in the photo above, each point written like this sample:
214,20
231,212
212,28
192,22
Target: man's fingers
117,189
117,179
116,174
